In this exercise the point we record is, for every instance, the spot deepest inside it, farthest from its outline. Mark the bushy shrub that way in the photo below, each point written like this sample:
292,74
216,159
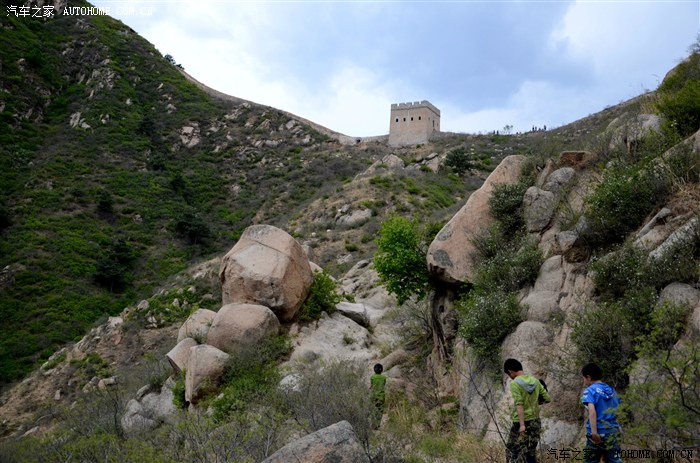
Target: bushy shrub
115,266
250,377
619,204
621,271
630,268
596,341
514,265
337,391
323,297
664,410
486,318
191,226
679,97
506,203
179,390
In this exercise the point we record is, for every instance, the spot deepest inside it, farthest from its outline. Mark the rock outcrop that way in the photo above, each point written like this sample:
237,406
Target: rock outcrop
205,366
197,325
451,254
337,443
240,325
267,267
180,354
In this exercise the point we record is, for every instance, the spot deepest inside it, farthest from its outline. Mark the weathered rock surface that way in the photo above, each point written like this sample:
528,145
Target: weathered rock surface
334,337
538,208
559,180
204,368
180,354
337,443
197,325
267,267
147,410
628,135
356,312
239,325
450,255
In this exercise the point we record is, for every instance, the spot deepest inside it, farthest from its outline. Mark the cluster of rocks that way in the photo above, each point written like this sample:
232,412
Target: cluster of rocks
265,279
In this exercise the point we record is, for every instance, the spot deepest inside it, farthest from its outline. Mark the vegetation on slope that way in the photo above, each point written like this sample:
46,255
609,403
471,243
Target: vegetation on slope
96,213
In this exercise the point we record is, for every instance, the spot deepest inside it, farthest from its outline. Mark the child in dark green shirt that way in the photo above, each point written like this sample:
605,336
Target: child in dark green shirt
377,382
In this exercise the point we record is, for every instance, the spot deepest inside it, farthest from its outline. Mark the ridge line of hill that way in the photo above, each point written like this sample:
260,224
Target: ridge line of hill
340,137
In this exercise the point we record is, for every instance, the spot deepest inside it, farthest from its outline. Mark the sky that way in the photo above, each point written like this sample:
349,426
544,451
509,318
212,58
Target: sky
485,64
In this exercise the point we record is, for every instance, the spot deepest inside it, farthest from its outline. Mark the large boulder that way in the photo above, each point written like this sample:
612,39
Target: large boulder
180,354
197,325
335,444
240,325
267,267
451,254
204,369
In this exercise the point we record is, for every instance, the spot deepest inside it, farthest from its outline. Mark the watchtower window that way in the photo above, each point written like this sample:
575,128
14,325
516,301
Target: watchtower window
404,119
418,117
411,119
397,119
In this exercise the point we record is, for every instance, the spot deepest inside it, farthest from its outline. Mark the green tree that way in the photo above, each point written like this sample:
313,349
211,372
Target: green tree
400,260
115,266
459,160
191,226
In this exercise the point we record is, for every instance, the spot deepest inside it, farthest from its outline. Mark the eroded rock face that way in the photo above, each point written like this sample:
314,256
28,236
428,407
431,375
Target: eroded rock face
267,267
205,366
450,255
239,325
539,208
336,443
197,325
180,354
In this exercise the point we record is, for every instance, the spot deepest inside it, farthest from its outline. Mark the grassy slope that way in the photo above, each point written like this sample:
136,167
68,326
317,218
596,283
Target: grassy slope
53,176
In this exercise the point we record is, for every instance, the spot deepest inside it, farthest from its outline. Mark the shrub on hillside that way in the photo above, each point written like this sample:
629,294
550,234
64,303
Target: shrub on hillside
679,96
486,318
323,297
506,203
514,265
459,160
630,268
665,411
338,391
250,378
619,204
191,226
595,341
115,266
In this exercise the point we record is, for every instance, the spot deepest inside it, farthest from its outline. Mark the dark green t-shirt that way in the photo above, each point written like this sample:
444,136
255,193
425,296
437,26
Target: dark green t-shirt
378,382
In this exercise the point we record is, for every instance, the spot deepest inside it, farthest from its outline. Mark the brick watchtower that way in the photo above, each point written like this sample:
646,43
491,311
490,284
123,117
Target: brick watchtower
413,123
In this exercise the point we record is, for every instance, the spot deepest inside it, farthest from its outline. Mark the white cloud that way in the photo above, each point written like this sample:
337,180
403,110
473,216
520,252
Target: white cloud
536,103
625,41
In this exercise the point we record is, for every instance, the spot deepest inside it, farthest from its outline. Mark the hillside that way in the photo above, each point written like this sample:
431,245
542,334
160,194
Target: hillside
117,173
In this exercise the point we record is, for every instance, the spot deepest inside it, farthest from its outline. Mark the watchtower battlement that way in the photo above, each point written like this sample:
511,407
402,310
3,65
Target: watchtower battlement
413,123
415,105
